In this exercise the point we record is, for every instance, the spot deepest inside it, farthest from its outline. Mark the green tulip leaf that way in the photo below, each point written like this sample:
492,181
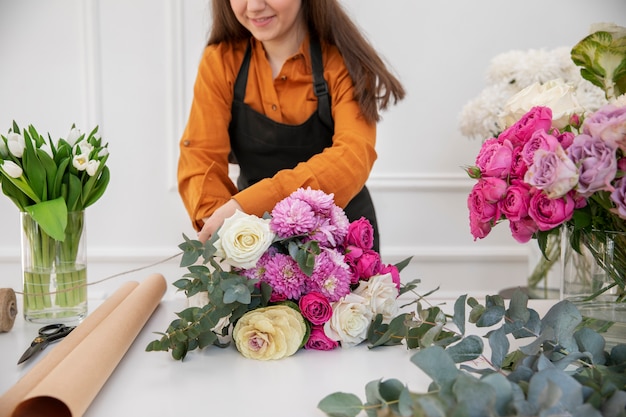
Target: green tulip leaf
51,216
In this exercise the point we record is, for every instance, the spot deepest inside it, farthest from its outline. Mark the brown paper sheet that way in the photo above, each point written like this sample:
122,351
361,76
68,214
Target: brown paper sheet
62,386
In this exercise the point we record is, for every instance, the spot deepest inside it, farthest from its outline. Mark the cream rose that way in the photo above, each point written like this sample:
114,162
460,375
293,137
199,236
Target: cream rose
555,94
382,294
273,332
243,238
351,318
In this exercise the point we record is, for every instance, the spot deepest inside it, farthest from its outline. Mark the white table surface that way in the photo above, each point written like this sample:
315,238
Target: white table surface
221,382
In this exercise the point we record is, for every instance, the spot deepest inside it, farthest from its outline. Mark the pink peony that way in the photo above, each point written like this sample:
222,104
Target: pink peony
514,204
523,230
537,118
315,308
319,341
549,213
479,206
494,158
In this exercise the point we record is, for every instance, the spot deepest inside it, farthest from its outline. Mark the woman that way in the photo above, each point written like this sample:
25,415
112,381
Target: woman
291,91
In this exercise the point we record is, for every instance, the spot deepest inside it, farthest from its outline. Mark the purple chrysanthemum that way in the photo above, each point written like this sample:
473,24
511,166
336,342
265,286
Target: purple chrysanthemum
331,275
284,276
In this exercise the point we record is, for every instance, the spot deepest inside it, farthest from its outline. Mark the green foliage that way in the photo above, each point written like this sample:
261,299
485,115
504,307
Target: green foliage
563,370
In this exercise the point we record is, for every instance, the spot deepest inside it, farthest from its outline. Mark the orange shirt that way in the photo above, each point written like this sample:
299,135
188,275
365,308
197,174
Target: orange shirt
341,169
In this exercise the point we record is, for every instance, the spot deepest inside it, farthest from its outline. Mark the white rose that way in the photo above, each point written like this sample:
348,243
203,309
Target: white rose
382,294
555,94
243,239
351,318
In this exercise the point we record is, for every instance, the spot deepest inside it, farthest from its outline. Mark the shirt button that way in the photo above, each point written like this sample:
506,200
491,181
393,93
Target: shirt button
283,78
186,143
274,107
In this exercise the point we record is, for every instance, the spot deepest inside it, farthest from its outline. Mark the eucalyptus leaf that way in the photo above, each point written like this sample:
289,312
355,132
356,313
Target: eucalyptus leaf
499,345
467,349
341,404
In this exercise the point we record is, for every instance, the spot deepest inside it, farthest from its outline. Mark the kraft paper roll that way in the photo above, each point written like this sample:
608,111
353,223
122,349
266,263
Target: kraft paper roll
69,387
8,309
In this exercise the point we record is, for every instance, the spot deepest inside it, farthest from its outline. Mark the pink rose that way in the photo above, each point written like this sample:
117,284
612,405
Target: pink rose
549,213
552,172
523,230
597,162
514,204
393,270
360,234
368,264
565,139
492,188
621,164
315,308
319,341
494,158
537,118
608,124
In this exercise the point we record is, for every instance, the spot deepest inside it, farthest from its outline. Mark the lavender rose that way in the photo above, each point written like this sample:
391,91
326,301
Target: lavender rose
552,172
608,124
618,196
597,163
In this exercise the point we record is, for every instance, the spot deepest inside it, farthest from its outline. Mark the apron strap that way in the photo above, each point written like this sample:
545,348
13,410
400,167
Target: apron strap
320,87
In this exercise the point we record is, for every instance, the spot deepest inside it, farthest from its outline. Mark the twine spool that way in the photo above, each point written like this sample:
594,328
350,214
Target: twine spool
8,309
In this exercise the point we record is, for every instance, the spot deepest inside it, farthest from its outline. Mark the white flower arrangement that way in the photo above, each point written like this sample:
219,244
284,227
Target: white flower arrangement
511,72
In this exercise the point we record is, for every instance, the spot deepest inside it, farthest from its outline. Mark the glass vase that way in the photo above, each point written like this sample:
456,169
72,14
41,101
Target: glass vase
544,269
54,272
593,279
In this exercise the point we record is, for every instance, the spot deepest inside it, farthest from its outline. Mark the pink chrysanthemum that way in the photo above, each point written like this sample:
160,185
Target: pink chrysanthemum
331,275
292,217
284,276
319,201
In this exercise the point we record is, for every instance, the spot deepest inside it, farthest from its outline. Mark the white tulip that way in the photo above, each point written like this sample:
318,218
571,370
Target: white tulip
12,169
80,162
16,144
103,152
47,149
4,151
92,167
73,136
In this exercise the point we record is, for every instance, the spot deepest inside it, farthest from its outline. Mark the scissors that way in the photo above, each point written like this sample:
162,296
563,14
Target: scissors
47,334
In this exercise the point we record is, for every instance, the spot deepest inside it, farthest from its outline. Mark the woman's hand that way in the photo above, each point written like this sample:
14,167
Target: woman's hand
213,222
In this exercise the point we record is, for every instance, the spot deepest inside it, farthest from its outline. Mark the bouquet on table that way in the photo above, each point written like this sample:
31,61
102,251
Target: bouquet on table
303,276
556,163
52,183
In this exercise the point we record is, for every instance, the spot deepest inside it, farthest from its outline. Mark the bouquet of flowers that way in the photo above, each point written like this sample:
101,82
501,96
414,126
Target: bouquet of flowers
303,276
556,163
50,182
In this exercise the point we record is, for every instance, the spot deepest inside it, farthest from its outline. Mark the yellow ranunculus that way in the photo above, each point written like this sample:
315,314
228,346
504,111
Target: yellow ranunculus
273,332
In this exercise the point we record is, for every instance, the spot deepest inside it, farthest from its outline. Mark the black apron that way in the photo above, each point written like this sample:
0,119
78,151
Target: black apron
262,147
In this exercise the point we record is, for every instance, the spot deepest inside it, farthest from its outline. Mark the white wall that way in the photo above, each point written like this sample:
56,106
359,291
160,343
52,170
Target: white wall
129,67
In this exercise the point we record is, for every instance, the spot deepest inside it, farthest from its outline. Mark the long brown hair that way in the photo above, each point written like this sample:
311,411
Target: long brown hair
375,86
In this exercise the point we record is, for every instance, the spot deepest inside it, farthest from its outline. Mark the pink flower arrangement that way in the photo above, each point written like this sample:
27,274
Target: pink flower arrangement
539,177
